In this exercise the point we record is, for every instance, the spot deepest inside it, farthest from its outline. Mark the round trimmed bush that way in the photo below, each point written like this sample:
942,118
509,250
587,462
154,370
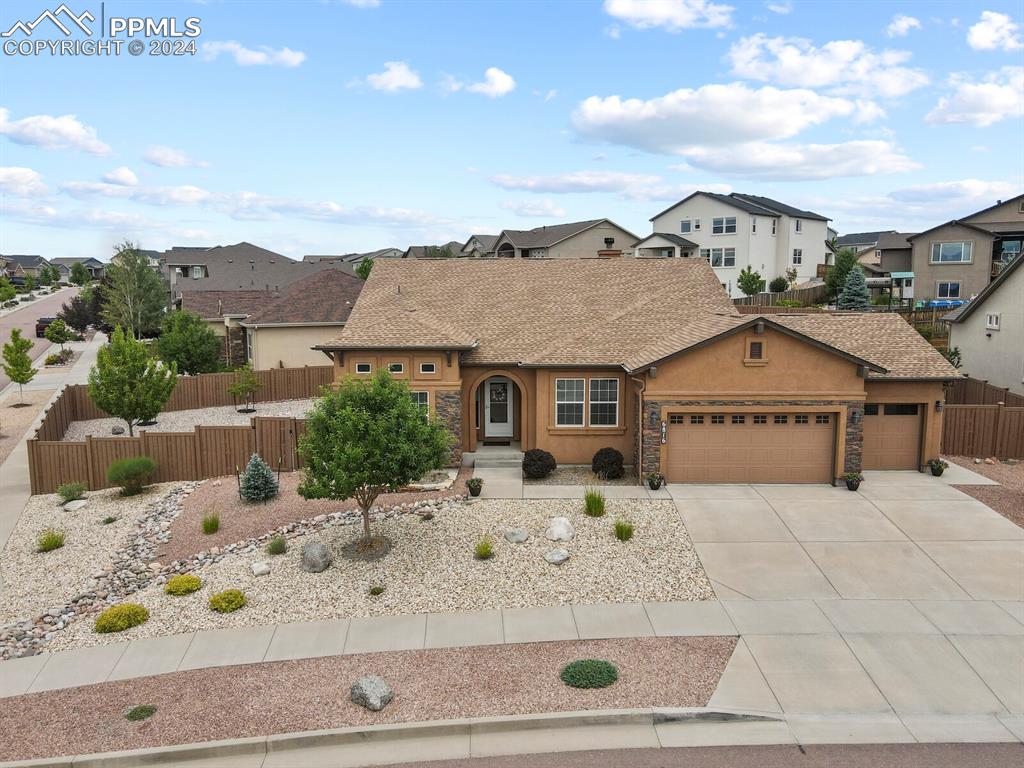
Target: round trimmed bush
183,584
607,464
589,673
228,601
118,618
131,474
538,464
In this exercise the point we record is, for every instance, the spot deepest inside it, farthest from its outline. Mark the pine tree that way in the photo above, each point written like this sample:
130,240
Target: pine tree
855,293
258,481
128,383
17,363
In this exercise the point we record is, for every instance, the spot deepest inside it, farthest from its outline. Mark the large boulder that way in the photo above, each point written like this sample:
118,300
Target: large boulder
261,569
315,557
556,556
560,529
371,692
517,535
77,504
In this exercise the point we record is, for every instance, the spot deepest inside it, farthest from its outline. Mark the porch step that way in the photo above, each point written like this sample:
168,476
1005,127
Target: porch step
491,463
494,458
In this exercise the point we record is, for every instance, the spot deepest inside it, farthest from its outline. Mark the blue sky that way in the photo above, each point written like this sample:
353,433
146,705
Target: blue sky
331,127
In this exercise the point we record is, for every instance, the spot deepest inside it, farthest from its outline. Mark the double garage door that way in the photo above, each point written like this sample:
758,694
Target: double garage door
750,447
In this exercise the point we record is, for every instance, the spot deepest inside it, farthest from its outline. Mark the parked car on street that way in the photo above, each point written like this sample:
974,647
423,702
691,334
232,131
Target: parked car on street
42,324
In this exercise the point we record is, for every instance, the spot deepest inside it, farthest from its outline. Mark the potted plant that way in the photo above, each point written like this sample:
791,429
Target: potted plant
475,485
937,466
853,480
654,480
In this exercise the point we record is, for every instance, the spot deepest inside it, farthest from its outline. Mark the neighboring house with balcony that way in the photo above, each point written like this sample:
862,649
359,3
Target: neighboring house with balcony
957,260
577,239
737,230
989,331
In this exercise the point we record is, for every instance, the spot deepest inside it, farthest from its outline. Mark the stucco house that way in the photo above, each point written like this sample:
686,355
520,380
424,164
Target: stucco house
96,268
576,239
479,245
956,260
651,357
21,265
989,331
224,312
737,230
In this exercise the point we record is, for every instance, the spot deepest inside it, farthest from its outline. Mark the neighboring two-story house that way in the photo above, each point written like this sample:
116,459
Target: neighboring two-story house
958,259
96,268
577,239
22,265
735,231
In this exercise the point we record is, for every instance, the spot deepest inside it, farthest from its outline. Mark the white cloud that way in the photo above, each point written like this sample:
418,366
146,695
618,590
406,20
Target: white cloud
362,3
495,83
965,192
578,181
48,132
787,162
901,25
185,194
123,176
709,115
543,208
396,77
847,67
21,182
613,31
671,192
995,30
780,8
997,96
169,157
673,15
248,57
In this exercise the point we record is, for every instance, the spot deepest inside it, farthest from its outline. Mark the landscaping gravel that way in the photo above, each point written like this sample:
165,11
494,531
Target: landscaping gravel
432,568
186,421
15,419
1007,498
310,694
580,474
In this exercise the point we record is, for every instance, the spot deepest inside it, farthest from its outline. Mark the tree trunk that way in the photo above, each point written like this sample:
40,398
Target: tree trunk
366,523
131,428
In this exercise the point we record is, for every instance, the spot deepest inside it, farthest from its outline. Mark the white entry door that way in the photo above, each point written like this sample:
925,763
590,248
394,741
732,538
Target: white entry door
498,408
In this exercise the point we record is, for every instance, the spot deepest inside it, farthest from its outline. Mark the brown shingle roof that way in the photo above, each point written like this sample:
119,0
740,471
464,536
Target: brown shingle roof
211,305
326,297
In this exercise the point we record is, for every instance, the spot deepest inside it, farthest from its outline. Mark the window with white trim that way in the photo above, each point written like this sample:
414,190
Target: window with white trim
992,321
798,256
722,257
569,396
723,225
428,367
248,344
684,226
753,225
604,402
363,368
947,289
421,398
197,272
798,225
696,225
396,367
952,253
775,224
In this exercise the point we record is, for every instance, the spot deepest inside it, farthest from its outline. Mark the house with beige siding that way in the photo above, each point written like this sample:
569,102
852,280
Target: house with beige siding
223,311
578,239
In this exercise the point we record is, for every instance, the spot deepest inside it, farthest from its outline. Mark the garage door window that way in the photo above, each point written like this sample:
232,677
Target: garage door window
718,419
900,409
696,419
736,419
781,419
821,418
676,418
760,419
800,418
871,409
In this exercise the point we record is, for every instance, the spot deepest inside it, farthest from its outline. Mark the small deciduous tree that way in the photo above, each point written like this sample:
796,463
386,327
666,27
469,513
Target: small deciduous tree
127,382
749,281
77,313
7,291
835,277
363,268
135,298
952,354
187,341
17,363
855,294
79,274
30,283
244,386
367,437
44,275
58,332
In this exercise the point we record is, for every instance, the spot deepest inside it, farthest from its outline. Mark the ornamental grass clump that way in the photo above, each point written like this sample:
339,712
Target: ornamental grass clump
589,673
118,618
71,492
183,584
258,483
49,540
141,712
593,502
277,546
211,524
484,549
623,530
228,601
131,474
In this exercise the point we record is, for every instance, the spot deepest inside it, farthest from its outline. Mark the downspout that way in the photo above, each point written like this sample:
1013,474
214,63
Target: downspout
640,430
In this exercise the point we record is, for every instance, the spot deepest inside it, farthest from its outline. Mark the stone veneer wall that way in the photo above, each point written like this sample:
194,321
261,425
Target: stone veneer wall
448,406
234,346
651,438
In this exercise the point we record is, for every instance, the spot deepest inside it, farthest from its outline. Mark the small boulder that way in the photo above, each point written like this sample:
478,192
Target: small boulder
117,430
557,556
315,557
372,692
516,535
77,504
261,569
560,529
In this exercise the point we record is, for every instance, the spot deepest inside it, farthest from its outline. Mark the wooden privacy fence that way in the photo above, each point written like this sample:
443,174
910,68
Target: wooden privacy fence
816,294
205,452
968,391
983,430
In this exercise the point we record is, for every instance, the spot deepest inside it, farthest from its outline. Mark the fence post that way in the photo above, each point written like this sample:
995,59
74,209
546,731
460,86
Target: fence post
995,430
89,463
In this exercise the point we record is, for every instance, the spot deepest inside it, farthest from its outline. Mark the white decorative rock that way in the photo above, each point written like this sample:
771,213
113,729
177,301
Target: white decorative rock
557,556
261,569
560,529
371,692
517,535
77,504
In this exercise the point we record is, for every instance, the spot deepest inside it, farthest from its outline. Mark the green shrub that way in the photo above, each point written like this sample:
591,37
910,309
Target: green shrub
211,524
258,483
607,464
538,464
375,590
183,584
71,491
623,530
593,500
227,601
49,540
789,303
589,673
109,519
131,474
778,284
141,712
277,546
484,549
118,618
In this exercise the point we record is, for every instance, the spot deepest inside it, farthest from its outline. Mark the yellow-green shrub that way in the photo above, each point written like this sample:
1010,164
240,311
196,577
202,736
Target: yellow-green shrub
118,618
227,601
183,584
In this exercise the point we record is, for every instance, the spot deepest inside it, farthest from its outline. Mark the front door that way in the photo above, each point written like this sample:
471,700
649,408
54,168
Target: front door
498,408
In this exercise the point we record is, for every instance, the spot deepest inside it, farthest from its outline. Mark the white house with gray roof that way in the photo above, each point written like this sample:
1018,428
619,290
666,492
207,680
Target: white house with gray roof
737,230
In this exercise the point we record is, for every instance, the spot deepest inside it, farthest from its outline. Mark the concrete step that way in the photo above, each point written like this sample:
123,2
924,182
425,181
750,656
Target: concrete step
493,462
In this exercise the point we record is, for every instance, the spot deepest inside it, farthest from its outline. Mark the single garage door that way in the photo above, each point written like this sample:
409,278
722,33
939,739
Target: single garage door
892,436
750,447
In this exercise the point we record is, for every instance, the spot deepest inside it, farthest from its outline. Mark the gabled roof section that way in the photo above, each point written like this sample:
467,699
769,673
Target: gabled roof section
998,204
777,207
951,223
486,241
545,237
894,240
671,237
322,299
962,313
214,305
857,238
26,260
753,204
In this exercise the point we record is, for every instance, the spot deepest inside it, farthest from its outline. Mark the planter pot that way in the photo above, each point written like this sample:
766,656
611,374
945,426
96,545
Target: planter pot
937,471
475,491
852,485
654,485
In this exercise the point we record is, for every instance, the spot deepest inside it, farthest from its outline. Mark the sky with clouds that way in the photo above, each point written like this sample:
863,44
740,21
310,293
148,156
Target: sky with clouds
339,126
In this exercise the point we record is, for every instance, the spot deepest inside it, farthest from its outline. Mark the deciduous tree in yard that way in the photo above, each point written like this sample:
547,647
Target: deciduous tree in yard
17,363
855,294
244,386
79,274
367,437
835,278
7,291
78,313
188,342
127,382
749,281
363,268
135,298
58,332
30,283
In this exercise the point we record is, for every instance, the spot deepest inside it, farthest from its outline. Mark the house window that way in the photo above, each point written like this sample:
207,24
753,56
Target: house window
798,256
753,225
723,257
668,253
428,367
396,367
421,398
197,272
755,351
604,402
947,290
569,402
684,226
798,225
676,418
821,418
705,253
760,419
992,321
363,368
696,225
718,419
800,418
248,344
952,253
725,225
781,419
696,419
775,223
738,419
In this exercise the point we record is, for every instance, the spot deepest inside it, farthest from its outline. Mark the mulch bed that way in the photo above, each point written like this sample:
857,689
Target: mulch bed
312,694
240,521
1007,498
